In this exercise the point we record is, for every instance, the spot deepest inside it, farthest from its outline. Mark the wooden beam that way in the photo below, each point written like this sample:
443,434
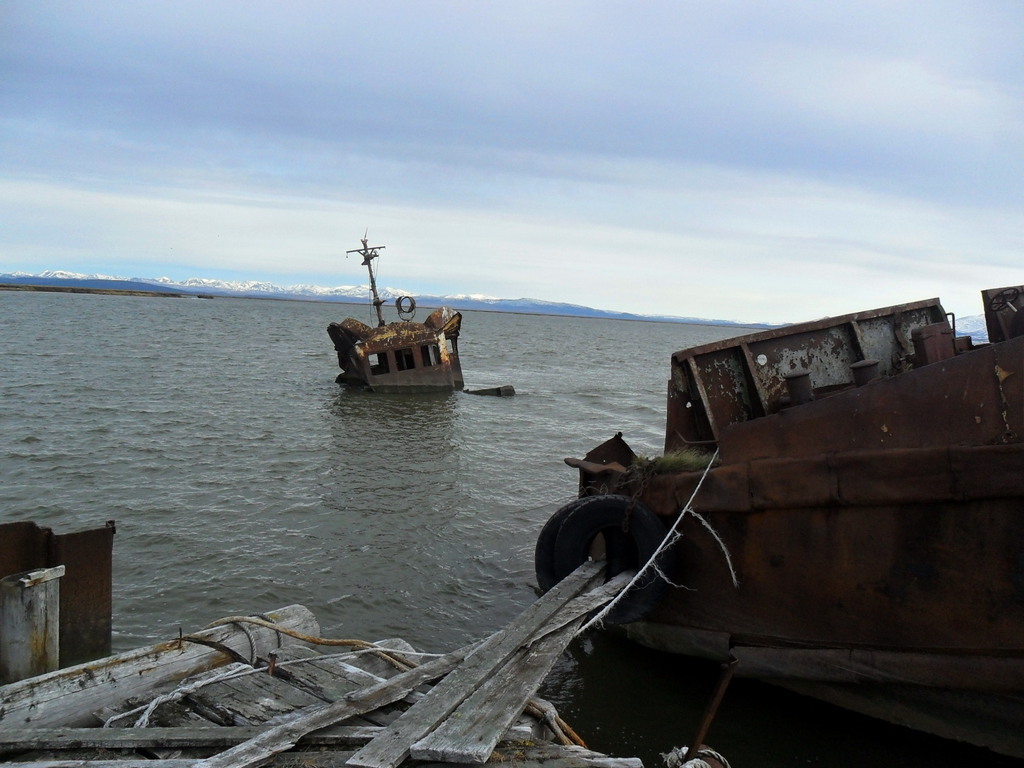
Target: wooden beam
29,623
68,697
480,722
287,730
500,699
213,736
471,732
393,745
541,756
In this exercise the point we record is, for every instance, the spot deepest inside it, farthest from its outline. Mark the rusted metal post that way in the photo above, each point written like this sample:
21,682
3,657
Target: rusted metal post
864,371
29,623
728,668
369,253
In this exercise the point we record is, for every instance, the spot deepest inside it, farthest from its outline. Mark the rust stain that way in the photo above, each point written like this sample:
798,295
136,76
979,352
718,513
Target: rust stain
85,589
880,516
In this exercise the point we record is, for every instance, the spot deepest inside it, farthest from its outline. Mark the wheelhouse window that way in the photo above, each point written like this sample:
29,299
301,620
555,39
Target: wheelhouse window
431,354
379,363
404,359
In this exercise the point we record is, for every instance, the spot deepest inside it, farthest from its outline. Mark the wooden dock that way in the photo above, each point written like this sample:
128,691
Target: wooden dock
260,691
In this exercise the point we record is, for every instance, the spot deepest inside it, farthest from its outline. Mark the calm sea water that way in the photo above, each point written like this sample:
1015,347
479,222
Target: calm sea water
243,479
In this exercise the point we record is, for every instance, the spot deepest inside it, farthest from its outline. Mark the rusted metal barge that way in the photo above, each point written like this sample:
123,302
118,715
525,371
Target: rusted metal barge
403,356
848,496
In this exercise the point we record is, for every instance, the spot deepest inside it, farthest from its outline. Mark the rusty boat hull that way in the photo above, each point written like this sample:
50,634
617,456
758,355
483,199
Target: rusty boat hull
403,356
852,525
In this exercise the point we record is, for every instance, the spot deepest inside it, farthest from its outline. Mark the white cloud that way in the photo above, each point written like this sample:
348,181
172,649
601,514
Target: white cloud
887,95
760,163
711,242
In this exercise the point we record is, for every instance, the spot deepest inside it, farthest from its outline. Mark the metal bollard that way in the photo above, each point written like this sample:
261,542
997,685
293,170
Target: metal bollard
864,372
29,623
798,384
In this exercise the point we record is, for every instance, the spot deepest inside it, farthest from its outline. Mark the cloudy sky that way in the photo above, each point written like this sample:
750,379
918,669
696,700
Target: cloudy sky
756,161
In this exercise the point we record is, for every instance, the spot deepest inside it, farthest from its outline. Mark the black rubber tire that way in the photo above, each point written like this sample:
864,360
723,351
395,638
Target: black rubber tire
626,550
544,552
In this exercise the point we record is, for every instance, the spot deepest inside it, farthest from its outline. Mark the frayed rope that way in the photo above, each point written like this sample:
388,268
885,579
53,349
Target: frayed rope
670,538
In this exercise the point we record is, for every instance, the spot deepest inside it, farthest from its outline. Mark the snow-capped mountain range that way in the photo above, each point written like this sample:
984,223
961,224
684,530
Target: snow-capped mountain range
341,293
973,326
193,284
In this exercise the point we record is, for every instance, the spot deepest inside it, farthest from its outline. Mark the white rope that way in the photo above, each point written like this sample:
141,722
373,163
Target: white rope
239,670
721,544
677,758
670,538
233,670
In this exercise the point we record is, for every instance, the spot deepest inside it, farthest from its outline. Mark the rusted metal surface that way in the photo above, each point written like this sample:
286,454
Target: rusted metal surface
85,589
86,597
875,523
402,356
732,381
966,400
1004,313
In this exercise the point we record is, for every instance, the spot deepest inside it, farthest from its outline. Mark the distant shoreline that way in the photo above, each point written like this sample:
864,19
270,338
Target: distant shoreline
77,289
199,295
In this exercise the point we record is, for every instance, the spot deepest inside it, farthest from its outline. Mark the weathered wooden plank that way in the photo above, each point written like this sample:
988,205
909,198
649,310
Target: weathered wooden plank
70,696
289,760
542,756
214,736
334,677
87,756
283,737
375,665
284,731
551,756
369,669
29,623
480,722
556,756
312,676
585,603
171,711
392,746
284,734
520,757
472,731
249,700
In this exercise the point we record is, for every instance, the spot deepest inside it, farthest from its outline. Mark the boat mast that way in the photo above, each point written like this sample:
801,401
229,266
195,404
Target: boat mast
369,254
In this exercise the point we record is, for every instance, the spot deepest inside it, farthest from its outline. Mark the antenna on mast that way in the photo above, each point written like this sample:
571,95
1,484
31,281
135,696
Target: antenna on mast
369,253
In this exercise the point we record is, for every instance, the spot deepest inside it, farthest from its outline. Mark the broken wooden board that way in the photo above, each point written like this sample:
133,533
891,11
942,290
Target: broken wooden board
521,756
285,733
394,744
334,703
174,737
472,732
70,696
